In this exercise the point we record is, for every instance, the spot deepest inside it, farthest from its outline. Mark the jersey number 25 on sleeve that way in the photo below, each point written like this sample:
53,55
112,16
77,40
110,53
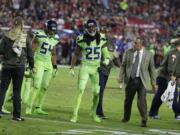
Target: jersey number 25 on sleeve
92,53
45,47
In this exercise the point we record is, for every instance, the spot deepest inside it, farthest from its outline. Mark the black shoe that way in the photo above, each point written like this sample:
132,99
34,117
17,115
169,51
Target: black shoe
124,120
155,117
18,119
144,123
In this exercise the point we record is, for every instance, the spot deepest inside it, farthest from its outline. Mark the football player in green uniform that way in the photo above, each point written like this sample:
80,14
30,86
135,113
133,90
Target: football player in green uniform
8,97
26,86
92,45
45,60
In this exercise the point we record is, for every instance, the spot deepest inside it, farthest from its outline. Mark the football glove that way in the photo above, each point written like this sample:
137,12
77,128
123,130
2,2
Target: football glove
106,62
28,73
55,69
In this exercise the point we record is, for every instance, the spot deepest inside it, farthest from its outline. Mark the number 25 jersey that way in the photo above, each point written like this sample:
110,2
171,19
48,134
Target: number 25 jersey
91,54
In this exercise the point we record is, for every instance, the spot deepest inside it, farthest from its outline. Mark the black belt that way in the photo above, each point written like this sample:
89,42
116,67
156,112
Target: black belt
135,78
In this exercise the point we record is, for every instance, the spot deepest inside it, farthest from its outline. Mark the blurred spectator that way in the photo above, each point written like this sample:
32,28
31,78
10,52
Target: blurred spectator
123,5
166,48
158,57
160,18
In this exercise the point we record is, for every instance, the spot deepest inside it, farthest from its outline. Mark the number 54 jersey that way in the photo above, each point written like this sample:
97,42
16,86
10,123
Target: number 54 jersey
91,54
44,46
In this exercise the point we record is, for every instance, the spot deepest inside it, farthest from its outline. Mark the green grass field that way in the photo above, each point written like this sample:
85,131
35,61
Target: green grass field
59,103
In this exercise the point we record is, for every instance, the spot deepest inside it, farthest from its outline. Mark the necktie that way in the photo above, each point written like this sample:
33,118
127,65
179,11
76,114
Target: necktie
135,66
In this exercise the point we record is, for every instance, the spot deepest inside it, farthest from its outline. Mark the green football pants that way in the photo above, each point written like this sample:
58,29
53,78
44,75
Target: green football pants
85,73
41,81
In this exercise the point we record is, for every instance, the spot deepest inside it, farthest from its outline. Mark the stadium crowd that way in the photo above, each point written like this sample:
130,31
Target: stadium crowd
123,18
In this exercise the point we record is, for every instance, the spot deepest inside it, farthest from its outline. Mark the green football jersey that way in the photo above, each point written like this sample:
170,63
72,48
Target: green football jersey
45,46
91,54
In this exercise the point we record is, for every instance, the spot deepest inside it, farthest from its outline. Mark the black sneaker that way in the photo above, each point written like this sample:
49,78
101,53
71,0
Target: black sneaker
124,120
18,118
155,117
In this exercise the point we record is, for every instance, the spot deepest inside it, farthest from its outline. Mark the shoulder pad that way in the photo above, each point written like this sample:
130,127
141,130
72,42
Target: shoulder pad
37,32
103,37
56,37
80,39
40,34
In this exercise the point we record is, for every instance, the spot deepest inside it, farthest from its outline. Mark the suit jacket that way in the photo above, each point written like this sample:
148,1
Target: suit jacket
147,69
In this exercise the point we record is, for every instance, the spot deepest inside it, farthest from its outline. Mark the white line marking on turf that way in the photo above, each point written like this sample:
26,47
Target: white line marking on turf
70,123
164,132
77,131
91,131
103,129
73,131
114,130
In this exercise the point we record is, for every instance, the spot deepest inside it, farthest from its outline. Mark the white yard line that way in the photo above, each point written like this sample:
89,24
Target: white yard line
70,123
102,129
66,66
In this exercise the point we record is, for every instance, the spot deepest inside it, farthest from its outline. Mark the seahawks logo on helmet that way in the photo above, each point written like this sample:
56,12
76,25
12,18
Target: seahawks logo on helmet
91,27
51,26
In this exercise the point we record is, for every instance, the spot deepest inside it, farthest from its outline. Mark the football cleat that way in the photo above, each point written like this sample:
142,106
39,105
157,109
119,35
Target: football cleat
74,119
28,110
39,111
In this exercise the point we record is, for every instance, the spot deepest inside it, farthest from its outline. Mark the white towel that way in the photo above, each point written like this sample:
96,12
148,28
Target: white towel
168,94
20,43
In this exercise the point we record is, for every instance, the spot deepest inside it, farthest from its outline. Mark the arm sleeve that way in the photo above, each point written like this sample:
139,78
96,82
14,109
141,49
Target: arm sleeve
30,55
171,65
168,65
105,52
75,56
152,70
79,41
163,66
123,67
2,44
54,56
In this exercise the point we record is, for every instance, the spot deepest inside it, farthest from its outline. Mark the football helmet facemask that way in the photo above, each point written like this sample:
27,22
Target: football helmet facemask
51,27
91,27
